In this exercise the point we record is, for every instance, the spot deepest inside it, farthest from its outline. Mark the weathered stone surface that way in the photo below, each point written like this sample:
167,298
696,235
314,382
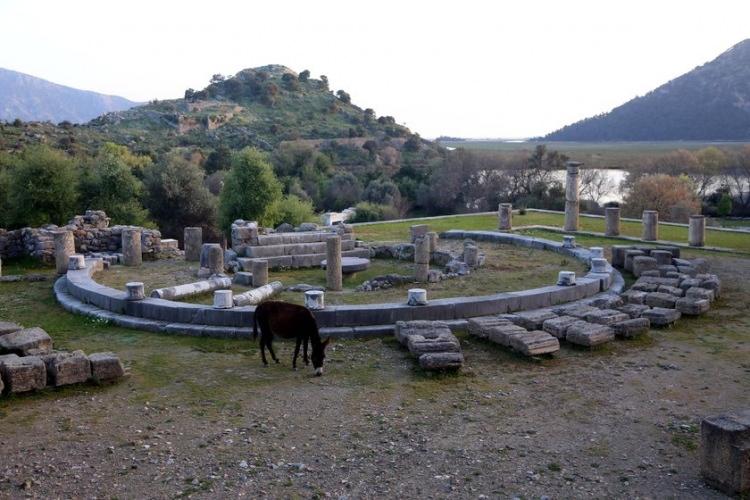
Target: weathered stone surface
606,317
7,327
725,451
533,320
671,290
558,326
505,216
651,272
658,299
631,328
418,231
258,295
502,334
659,281
634,296
334,276
444,342
633,310
690,306
21,341
534,343
571,197
618,255
663,257
260,272
589,334
193,242
642,263
65,368
629,256
650,225
660,316
441,361
612,221
697,231
700,264
608,301
664,270
645,287
698,293
576,310
22,374
243,278
192,289
131,247
566,278
480,326
427,329
106,366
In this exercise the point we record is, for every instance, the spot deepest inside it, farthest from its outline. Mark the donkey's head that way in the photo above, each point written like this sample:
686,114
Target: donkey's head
318,356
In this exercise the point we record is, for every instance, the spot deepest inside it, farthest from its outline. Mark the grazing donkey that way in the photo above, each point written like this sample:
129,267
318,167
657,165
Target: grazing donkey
289,321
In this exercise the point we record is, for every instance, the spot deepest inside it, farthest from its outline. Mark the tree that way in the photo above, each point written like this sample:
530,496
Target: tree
673,197
109,183
323,82
342,191
344,96
304,75
369,115
190,95
177,198
43,187
295,211
724,207
383,192
251,190
218,159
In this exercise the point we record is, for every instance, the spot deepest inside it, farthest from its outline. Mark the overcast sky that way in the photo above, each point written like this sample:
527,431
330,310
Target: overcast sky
469,68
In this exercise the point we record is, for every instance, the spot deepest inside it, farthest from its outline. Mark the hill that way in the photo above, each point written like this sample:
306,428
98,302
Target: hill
29,98
711,102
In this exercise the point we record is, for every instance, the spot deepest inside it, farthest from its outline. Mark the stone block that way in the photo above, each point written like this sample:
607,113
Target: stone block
642,263
663,257
534,343
660,316
725,452
634,296
589,334
532,320
693,292
445,342
426,329
22,374
690,306
644,287
21,341
689,270
629,256
672,290
480,326
106,366
243,278
441,361
633,310
618,255
7,327
576,310
502,334
608,301
664,270
651,272
65,368
631,328
558,326
606,317
658,299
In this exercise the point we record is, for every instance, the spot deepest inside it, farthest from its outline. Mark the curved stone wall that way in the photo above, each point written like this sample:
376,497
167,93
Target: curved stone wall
79,292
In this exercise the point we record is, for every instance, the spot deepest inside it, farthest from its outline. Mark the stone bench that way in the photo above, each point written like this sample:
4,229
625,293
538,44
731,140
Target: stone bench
589,334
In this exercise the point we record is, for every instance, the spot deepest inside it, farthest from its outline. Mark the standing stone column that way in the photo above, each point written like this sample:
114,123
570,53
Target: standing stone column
432,237
418,230
571,196
131,247
422,259
697,231
260,273
215,260
192,243
334,278
612,221
65,246
505,216
650,225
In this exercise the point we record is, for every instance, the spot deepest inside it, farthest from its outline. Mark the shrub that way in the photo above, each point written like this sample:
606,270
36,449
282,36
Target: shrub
673,197
724,207
251,190
342,191
294,210
370,212
384,192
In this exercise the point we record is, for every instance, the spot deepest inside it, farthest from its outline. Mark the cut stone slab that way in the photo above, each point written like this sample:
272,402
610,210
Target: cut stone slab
441,361
22,374
694,292
65,368
21,341
629,256
660,316
651,272
725,451
532,320
576,310
606,317
558,327
589,334
502,334
645,287
634,296
659,280
665,270
350,265
105,366
534,343
7,327
631,328
446,342
672,290
424,328
657,299
690,306
479,327
633,310
642,263
609,301
243,278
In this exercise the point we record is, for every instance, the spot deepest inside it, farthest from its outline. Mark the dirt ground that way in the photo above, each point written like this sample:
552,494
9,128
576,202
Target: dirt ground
202,417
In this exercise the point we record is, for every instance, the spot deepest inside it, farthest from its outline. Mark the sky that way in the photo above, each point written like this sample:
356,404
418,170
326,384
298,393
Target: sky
480,69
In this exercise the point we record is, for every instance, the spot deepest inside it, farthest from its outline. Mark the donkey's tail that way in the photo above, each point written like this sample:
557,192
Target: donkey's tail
255,325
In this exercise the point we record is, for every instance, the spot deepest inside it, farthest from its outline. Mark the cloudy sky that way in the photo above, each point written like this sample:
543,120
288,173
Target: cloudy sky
470,68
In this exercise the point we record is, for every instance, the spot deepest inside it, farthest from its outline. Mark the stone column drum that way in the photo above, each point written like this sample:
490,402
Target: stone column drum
650,225
65,246
334,277
136,290
697,231
571,196
315,300
131,247
422,259
612,221
192,243
260,273
432,236
505,217
215,260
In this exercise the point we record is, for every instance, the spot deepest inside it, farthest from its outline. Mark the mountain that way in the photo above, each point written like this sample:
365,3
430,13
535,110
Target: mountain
711,102
32,99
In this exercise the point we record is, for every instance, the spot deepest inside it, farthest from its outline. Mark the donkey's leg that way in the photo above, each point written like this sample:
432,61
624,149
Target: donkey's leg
270,349
296,353
263,348
304,350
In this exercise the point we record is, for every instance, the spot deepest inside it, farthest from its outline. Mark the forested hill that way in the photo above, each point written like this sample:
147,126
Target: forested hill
28,98
711,102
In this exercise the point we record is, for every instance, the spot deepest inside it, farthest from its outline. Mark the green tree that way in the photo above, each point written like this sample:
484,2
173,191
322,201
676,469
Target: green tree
218,159
43,187
251,190
176,197
344,96
342,191
294,210
724,207
304,75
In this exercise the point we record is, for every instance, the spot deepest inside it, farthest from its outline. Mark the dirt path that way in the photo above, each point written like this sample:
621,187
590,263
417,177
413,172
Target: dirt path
202,417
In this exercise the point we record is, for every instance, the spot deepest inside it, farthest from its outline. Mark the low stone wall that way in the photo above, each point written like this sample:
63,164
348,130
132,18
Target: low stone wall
91,233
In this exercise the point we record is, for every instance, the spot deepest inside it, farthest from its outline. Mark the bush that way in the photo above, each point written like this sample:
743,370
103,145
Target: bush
724,207
251,190
383,192
370,212
294,210
673,197
342,191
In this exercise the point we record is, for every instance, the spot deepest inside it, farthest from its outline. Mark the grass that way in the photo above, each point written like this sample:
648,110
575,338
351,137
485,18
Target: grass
399,231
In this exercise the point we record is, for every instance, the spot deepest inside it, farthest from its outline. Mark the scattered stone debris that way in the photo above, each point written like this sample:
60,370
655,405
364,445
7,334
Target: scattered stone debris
432,342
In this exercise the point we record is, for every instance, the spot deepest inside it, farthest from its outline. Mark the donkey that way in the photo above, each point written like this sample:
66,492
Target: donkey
289,321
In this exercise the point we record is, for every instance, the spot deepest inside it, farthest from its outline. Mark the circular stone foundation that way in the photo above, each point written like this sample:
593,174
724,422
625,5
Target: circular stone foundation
351,265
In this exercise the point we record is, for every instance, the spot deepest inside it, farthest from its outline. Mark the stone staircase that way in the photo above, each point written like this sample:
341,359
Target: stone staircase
297,250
